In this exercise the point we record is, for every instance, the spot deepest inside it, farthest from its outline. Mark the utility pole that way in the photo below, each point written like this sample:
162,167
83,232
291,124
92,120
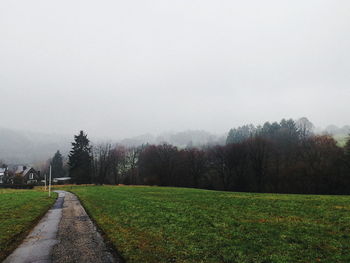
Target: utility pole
50,183
45,182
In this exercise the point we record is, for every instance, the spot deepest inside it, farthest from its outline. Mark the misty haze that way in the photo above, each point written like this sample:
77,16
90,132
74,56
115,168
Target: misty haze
162,131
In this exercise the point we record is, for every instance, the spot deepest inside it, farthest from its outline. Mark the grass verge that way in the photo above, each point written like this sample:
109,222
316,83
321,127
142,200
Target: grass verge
20,210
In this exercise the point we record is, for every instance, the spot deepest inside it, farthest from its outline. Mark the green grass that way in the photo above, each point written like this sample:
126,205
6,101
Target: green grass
341,139
155,224
19,211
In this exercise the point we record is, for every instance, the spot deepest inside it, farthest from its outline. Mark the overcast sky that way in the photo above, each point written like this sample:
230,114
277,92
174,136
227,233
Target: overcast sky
124,68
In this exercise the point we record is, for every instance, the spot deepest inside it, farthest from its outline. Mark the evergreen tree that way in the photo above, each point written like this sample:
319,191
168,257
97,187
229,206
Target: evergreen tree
80,159
57,165
241,134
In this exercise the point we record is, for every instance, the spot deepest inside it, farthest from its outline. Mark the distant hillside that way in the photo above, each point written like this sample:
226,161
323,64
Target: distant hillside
341,139
30,147
180,139
341,134
334,130
18,147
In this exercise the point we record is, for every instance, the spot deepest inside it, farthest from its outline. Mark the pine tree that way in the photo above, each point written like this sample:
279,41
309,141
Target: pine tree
57,165
80,159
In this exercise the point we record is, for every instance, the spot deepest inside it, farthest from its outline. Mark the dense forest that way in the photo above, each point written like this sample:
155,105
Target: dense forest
284,157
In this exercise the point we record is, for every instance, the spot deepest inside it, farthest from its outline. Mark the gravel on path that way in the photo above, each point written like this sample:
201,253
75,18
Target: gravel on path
79,241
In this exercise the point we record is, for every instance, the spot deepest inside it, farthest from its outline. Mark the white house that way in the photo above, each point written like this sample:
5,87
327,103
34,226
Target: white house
3,173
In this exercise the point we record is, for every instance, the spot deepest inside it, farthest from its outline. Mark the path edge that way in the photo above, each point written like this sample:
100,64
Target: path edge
18,239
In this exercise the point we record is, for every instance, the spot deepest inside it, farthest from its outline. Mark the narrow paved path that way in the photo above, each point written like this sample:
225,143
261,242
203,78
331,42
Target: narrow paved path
65,234
37,246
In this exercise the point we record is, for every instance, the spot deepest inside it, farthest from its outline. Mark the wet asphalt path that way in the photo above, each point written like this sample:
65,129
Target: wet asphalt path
38,244
65,234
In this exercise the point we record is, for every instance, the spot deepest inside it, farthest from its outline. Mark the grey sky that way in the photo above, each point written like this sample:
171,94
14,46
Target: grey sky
123,68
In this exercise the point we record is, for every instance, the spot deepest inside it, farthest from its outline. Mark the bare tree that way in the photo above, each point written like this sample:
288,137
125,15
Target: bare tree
132,158
196,162
102,162
258,156
305,127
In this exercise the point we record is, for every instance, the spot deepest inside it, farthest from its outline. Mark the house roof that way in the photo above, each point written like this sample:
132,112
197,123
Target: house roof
20,170
2,170
27,170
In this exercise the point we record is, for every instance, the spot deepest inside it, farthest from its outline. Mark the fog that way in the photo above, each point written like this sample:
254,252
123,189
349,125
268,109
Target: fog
122,68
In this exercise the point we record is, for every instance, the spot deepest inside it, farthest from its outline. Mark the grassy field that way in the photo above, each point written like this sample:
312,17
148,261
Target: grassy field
19,211
154,224
341,139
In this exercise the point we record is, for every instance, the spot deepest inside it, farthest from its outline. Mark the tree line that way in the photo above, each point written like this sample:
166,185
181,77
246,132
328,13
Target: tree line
279,157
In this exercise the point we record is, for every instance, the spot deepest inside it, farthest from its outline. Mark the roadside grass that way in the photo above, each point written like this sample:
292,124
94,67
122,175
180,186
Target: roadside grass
159,224
20,210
